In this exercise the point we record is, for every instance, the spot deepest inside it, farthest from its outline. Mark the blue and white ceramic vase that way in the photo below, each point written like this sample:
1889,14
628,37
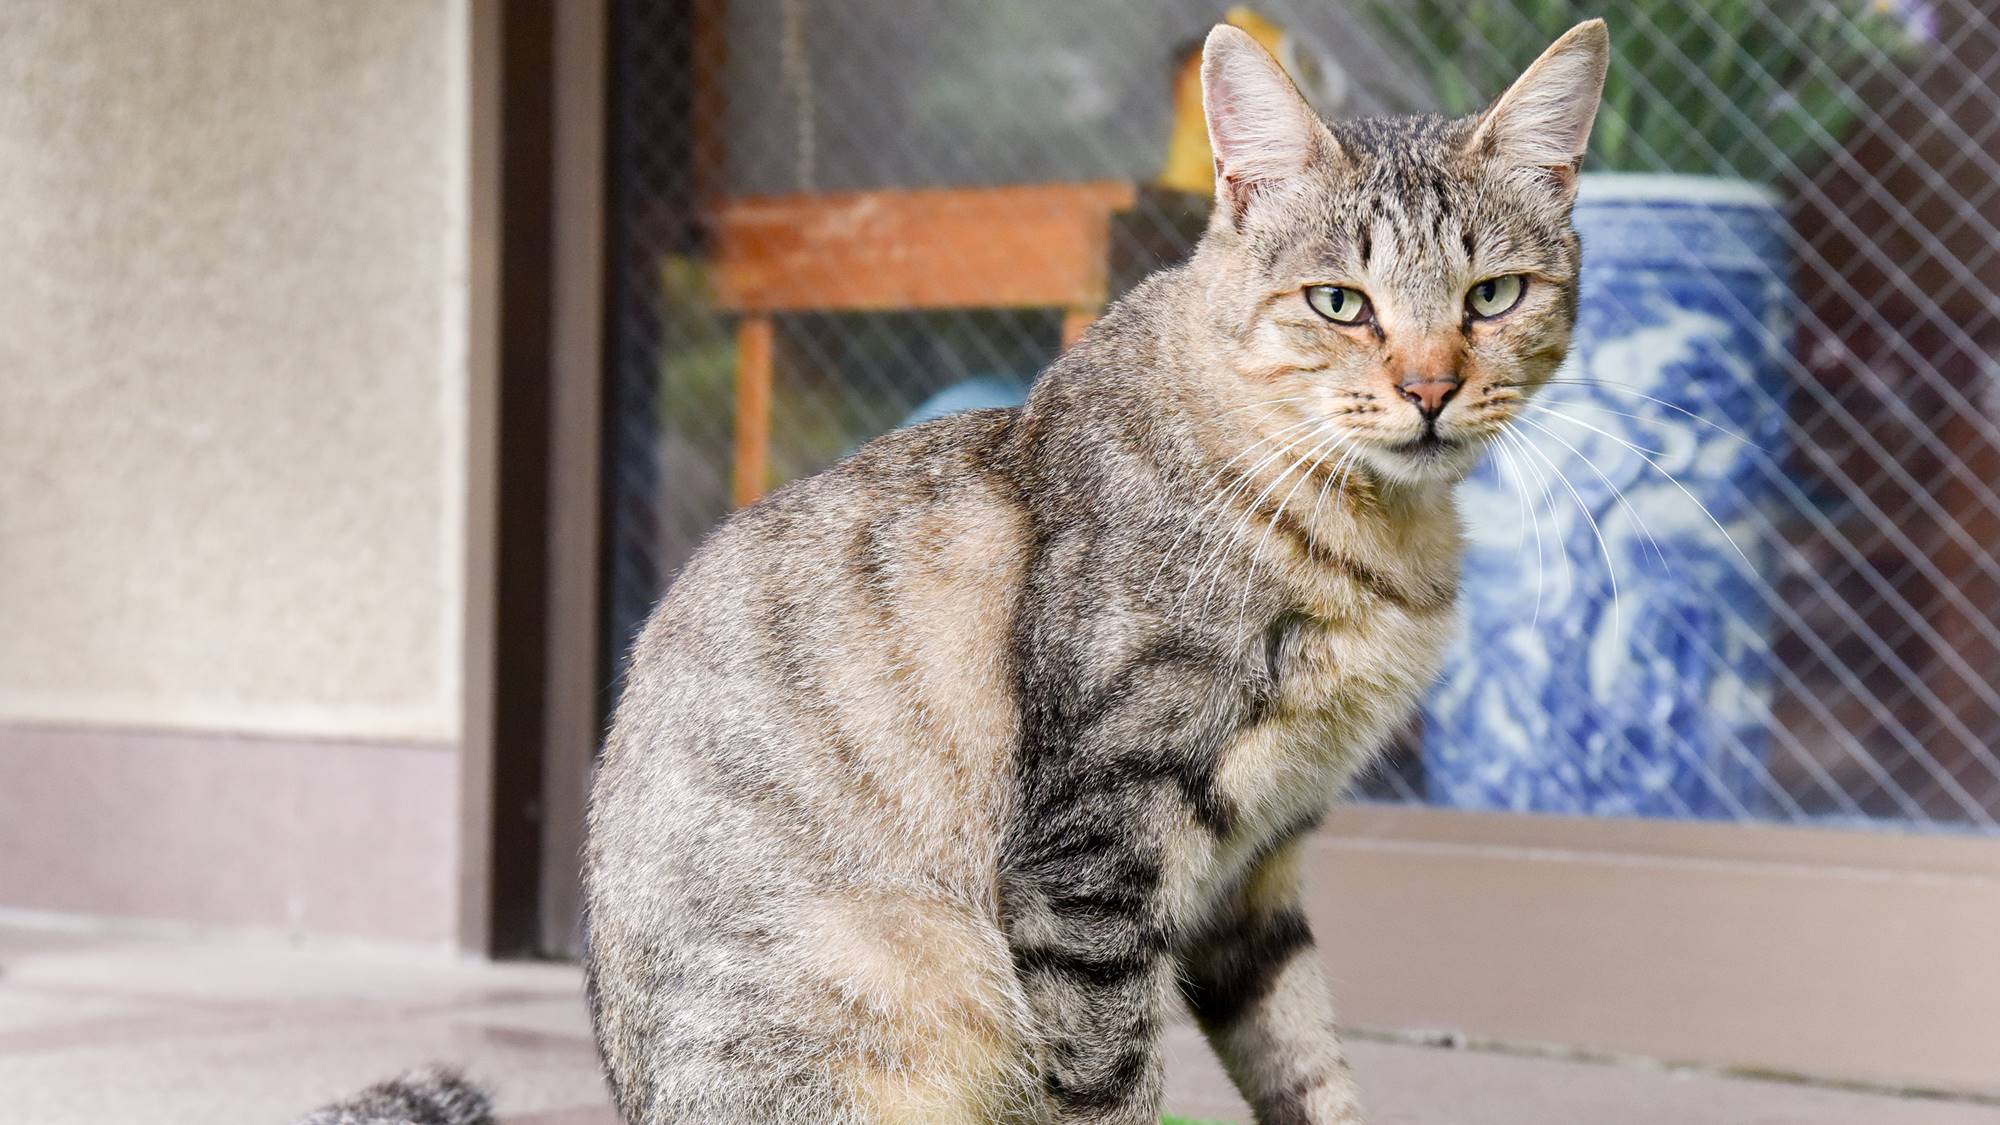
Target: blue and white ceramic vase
1559,697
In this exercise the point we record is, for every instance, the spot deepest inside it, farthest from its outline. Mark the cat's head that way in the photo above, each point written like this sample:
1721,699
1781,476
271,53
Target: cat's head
1392,288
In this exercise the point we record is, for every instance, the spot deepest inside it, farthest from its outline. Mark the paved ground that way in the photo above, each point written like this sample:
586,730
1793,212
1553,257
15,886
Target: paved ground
100,1027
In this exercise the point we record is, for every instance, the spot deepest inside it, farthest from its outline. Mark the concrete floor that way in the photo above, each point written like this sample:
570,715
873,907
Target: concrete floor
103,1025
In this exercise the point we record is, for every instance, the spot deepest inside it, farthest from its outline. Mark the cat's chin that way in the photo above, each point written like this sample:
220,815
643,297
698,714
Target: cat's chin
1426,460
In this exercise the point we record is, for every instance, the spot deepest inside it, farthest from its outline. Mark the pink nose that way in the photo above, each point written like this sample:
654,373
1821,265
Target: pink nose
1430,395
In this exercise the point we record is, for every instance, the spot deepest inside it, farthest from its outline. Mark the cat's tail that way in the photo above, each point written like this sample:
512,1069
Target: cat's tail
434,1095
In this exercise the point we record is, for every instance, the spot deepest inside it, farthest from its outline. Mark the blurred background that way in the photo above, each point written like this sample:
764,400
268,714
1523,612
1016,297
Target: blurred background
367,370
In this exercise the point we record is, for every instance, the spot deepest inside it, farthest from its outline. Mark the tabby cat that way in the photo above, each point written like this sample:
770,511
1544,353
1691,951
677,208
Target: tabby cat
942,776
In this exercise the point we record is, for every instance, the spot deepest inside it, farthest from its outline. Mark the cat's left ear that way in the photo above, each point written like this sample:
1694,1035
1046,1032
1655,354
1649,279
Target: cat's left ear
1543,120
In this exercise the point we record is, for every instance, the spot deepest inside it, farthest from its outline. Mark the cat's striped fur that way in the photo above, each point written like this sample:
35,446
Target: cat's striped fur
941,776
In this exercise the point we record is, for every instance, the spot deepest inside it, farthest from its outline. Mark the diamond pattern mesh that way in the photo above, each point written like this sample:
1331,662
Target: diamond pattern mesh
1876,122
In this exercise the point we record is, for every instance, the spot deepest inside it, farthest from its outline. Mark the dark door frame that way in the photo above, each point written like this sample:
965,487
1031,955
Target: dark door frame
533,648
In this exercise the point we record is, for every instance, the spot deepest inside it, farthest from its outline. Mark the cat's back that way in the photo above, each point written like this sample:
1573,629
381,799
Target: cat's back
831,663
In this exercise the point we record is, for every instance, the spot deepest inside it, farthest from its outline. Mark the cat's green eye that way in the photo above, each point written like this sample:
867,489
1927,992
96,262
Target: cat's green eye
1495,295
1338,303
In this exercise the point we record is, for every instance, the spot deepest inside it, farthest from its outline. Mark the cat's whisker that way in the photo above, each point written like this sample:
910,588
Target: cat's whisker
1603,545
1638,450
1501,475
1554,413
1242,484
1531,515
1530,519
1671,479
1636,392
1337,443
1340,497
1340,470
1221,555
1561,549
1610,484
1351,451
1659,423
1243,523
1531,523
1268,404
1535,524
1195,520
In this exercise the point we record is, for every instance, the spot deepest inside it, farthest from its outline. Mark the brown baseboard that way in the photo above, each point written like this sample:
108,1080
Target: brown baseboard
1848,955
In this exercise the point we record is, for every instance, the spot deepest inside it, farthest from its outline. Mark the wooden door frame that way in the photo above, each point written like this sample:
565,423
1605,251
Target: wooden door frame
534,675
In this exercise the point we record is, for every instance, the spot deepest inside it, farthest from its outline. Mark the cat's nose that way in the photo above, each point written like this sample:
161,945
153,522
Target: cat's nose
1429,394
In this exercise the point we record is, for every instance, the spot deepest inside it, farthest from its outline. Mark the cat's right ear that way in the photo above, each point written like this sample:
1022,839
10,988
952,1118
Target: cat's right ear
1260,129
1543,120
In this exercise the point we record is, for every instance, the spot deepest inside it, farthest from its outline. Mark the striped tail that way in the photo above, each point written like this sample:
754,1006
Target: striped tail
431,1096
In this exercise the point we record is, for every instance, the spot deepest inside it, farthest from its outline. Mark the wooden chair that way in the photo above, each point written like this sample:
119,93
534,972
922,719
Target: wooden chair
1040,246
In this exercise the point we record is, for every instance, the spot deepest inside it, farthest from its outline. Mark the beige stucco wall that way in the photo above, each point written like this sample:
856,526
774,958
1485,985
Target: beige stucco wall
231,365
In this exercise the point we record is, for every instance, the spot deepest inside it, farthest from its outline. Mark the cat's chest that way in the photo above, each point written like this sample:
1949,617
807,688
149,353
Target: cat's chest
1338,692
1351,668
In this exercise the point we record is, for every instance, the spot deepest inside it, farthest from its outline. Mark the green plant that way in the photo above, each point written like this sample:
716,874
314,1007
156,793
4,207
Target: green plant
1747,88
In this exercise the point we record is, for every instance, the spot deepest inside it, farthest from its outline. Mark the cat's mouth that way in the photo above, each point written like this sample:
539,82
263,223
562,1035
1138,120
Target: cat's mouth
1430,443
1429,455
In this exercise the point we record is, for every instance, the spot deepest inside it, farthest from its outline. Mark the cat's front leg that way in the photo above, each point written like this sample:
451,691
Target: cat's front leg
1254,984
1116,765
1096,974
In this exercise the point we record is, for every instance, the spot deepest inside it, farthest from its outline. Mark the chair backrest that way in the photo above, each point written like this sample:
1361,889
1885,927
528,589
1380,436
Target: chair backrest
1038,246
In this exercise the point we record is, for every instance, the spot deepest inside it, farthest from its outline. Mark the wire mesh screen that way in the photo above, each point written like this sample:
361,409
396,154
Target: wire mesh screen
1739,563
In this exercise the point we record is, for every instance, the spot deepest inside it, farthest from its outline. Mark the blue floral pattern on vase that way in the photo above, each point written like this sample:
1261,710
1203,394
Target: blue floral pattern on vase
1557,696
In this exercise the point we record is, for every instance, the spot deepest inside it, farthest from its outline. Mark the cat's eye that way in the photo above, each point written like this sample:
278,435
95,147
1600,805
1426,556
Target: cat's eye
1495,295
1338,303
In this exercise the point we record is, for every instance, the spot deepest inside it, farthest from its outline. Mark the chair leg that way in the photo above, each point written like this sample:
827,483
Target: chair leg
752,468
1074,322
